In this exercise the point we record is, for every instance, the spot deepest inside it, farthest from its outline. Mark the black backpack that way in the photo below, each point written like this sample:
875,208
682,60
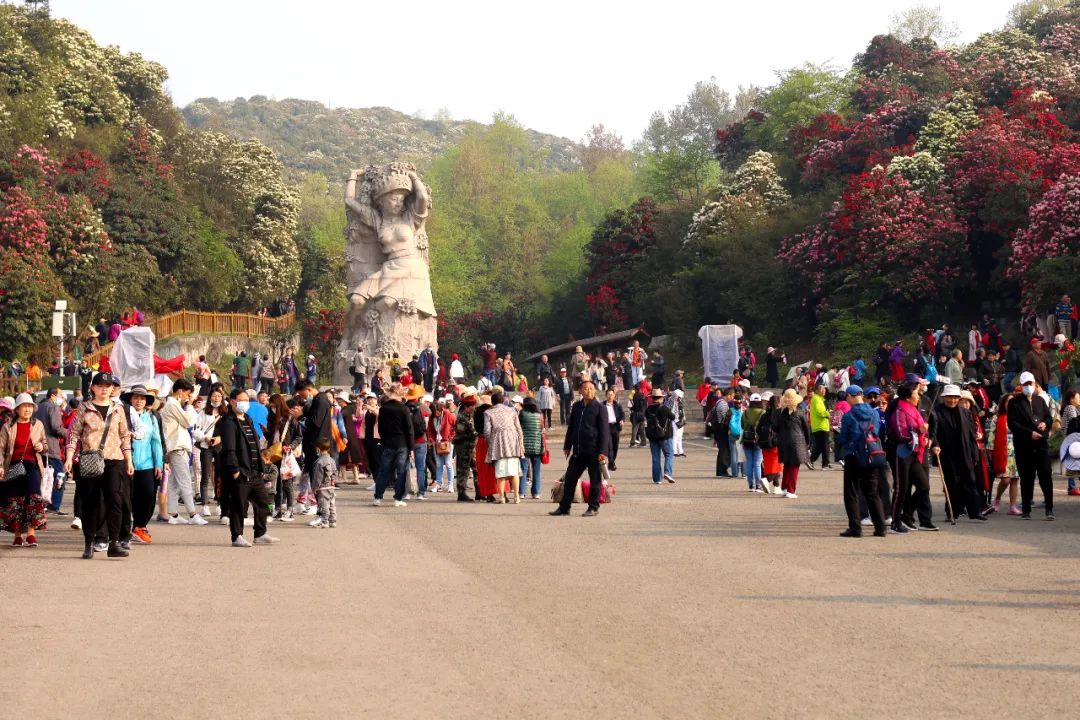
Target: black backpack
657,427
766,433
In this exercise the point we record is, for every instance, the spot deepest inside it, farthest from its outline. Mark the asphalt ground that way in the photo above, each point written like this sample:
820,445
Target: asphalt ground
692,600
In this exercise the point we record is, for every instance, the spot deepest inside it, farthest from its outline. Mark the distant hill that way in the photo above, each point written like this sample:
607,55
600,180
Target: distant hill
308,136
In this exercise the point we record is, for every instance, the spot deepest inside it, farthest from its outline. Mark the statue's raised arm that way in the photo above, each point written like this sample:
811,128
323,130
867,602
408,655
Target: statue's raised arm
358,199
419,200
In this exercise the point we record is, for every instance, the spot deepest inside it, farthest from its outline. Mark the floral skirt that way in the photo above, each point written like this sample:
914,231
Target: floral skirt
21,506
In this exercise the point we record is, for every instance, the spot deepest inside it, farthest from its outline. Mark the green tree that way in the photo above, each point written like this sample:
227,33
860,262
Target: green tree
802,94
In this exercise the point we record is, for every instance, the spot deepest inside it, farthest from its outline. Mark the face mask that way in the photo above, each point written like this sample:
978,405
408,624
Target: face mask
1029,390
242,406
215,404
60,402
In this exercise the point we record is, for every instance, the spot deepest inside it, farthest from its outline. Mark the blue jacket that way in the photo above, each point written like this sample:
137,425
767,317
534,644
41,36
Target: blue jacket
146,453
853,427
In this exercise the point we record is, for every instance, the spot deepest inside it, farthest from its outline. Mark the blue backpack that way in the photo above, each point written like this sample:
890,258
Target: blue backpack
871,454
735,425
931,372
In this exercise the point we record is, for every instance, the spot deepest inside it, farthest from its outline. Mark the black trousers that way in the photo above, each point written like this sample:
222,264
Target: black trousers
1032,462
962,491
881,479
821,447
547,417
858,479
101,496
125,505
241,492
206,468
565,402
579,464
143,497
723,452
911,495
615,433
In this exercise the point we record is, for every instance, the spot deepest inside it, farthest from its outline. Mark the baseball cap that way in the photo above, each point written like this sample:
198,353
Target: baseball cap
755,398
872,390
1026,377
103,378
854,390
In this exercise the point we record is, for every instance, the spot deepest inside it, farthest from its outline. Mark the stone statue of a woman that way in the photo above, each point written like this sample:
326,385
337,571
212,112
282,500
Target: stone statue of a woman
387,277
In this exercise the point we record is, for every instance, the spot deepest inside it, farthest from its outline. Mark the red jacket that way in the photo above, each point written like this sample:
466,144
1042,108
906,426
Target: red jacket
445,421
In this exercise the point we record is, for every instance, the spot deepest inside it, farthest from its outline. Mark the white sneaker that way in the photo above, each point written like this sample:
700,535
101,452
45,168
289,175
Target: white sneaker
178,520
101,547
410,496
311,510
318,523
218,510
866,522
400,503
76,523
206,510
266,540
791,496
286,517
224,520
333,524
371,487
197,519
421,497
376,502
241,542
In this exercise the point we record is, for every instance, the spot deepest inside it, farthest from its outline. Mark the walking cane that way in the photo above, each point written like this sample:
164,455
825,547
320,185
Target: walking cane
948,501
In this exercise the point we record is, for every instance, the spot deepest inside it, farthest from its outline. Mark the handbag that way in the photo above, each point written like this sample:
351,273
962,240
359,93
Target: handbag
290,468
16,471
276,450
545,456
442,447
92,462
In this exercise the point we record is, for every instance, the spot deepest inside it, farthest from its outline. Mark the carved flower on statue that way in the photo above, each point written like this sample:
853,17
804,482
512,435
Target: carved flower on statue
371,318
407,306
386,347
422,241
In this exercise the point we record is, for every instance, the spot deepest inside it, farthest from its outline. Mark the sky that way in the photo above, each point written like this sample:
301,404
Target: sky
559,67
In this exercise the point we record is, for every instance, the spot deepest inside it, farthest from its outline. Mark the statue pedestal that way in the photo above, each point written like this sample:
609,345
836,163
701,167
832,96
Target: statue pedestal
382,334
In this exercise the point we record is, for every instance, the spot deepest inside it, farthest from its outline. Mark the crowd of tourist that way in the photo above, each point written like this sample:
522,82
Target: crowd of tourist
205,452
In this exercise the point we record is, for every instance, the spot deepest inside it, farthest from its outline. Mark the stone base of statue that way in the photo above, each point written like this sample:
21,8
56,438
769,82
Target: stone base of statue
382,331
387,274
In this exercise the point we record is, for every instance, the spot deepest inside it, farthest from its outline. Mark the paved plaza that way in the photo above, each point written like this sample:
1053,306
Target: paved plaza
693,600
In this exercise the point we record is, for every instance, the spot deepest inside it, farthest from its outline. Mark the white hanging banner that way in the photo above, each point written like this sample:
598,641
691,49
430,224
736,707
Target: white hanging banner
132,357
720,350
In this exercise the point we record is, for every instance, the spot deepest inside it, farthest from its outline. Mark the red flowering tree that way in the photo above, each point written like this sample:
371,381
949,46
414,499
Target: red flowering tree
604,309
874,140
322,333
616,254
882,244
1052,232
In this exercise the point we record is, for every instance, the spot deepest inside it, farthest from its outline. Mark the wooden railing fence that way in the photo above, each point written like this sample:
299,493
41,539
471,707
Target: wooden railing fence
183,322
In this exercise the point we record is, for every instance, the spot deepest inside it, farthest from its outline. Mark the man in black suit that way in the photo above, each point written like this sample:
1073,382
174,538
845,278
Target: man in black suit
564,388
588,441
317,421
1031,423
615,418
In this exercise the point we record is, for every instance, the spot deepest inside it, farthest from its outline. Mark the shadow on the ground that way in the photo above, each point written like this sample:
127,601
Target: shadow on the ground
1028,667
917,601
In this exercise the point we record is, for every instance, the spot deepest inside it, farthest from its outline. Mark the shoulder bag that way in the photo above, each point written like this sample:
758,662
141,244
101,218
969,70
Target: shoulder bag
92,462
16,471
